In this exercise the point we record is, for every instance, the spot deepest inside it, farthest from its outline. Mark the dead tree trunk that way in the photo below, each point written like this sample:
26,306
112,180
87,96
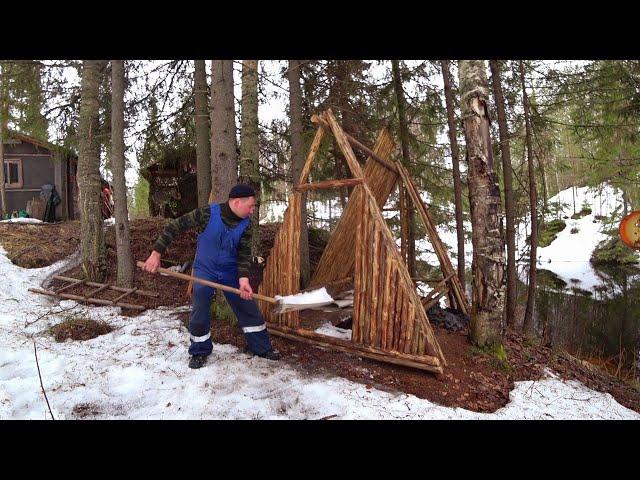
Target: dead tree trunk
507,174
484,198
533,200
91,226
224,157
203,149
455,160
404,140
123,242
298,160
249,164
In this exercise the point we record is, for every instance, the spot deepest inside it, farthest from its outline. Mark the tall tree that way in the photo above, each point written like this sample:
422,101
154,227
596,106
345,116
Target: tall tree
3,129
123,238
507,174
406,156
203,148
455,160
249,161
91,225
298,160
533,201
224,156
484,197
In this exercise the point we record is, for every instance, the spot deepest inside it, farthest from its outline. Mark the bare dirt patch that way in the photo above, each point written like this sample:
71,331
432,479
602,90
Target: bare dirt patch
36,245
79,329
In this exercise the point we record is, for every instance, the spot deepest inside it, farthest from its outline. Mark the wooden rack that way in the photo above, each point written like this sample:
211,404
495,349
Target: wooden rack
90,298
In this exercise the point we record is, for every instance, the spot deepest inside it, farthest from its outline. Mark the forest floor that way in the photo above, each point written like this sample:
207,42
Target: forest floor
473,380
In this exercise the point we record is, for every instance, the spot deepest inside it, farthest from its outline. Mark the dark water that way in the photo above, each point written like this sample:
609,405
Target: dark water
592,326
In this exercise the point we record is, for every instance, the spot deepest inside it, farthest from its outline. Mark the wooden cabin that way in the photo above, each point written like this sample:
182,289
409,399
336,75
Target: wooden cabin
29,164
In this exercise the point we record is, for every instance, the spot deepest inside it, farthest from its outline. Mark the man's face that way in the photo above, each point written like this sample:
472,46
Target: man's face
244,207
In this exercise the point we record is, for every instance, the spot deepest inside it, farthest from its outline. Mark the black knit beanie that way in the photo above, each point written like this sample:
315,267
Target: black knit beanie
242,191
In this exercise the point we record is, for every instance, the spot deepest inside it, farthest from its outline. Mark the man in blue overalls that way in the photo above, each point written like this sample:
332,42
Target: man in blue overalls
223,256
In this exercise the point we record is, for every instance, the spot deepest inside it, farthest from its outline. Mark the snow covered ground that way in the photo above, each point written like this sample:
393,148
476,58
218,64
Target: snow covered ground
568,255
139,371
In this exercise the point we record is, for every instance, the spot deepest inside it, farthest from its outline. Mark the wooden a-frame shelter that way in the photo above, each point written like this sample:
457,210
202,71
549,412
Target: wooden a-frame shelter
390,322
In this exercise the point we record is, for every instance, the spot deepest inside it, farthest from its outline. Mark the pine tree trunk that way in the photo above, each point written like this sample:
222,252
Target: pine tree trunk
89,186
404,140
507,174
297,161
249,163
203,148
224,156
3,129
123,242
533,200
484,198
455,160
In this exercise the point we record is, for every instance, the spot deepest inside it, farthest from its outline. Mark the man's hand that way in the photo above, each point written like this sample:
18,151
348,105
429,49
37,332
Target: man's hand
246,292
152,263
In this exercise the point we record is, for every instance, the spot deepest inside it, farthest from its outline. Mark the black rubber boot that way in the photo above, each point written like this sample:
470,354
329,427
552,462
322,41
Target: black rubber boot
197,361
270,355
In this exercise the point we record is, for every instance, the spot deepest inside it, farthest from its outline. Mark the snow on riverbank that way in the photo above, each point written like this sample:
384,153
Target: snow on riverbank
568,255
139,371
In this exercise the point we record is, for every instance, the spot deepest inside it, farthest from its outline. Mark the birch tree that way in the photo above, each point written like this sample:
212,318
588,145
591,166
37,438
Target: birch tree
484,198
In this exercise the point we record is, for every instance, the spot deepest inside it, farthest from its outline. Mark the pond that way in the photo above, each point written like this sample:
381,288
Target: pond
601,324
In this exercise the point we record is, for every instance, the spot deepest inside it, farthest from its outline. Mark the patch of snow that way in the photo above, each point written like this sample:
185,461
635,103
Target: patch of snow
21,220
312,298
568,255
332,331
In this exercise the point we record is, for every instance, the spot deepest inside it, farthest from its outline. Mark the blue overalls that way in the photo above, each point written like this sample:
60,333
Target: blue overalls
217,261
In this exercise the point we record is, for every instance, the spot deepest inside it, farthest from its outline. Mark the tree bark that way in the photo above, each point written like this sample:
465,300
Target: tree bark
298,161
203,148
3,129
507,174
249,162
455,160
89,186
224,156
404,140
123,238
528,327
484,197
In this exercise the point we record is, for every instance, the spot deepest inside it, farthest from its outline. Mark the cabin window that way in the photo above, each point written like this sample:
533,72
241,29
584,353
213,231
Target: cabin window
13,173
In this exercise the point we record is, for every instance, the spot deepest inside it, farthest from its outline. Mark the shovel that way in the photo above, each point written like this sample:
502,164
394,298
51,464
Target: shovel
281,304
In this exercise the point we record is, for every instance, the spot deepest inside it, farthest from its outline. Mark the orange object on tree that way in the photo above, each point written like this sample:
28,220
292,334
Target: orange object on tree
630,230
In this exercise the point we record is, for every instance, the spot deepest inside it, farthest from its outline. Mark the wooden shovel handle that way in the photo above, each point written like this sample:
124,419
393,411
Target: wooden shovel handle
226,288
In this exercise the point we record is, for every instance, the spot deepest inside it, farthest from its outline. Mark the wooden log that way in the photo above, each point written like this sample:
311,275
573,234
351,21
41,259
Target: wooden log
73,284
411,317
346,182
431,302
423,362
375,260
344,145
402,324
438,246
315,146
146,293
78,298
387,302
125,294
356,144
97,290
